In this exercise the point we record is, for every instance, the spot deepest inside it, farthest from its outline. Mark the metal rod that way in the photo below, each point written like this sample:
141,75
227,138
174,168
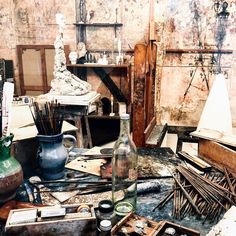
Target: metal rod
162,203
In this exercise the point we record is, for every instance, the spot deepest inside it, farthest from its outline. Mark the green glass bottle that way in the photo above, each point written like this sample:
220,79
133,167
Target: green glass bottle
124,170
11,175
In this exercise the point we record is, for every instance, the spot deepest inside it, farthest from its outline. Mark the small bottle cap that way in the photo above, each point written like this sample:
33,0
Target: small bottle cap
106,206
124,116
105,225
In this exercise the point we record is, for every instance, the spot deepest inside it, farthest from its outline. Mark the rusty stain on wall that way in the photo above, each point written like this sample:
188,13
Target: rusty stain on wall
186,78
22,15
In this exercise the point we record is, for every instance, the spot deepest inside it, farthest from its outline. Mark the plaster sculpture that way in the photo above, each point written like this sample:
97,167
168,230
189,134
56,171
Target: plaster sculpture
73,57
64,82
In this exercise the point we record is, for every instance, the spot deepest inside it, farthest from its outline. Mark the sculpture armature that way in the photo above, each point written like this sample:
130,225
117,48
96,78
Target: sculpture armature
64,82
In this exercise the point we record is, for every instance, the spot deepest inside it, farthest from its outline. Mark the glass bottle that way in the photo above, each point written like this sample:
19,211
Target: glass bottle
124,170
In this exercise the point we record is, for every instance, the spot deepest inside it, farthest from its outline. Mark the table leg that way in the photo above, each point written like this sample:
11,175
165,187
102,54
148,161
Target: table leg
88,132
79,133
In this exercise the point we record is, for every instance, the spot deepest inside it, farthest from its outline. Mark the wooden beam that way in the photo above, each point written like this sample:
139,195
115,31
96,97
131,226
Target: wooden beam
110,84
217,155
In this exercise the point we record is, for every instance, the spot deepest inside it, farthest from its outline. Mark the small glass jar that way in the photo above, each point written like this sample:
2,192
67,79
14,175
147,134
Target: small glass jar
105,228
105,211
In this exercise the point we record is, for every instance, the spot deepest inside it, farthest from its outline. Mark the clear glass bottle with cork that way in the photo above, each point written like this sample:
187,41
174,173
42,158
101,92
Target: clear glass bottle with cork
124,170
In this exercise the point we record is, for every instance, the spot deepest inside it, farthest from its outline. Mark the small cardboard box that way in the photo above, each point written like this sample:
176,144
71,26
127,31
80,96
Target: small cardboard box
72,223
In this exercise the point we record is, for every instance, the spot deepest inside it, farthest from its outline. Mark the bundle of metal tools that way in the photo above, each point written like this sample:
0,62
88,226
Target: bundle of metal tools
47,117
205,196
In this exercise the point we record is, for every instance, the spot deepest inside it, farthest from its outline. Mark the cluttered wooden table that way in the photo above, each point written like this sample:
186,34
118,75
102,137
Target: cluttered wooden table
63,194
164,198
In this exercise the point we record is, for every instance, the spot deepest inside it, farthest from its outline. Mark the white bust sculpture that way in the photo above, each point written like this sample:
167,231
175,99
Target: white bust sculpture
73,57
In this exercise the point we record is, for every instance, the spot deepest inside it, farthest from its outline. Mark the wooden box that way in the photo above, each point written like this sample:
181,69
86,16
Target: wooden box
73,223
133,223
218,155
180,230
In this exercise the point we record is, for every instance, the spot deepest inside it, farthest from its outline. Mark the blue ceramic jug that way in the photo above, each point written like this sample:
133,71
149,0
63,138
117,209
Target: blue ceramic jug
52,155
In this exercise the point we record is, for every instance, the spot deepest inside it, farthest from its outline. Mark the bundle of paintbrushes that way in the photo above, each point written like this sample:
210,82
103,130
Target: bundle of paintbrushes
47,117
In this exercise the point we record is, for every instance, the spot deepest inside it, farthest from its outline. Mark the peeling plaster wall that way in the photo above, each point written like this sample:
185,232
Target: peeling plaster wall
133,14
185,77
7,35
33,22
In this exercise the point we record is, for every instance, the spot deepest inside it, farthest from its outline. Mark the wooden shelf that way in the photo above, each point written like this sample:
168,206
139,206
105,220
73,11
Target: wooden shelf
99,24
92,65
103,117
199,51
83,26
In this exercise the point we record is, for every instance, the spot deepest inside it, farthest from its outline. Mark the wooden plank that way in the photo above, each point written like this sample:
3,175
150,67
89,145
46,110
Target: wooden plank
217,155
157,135
195,161
150,83
149,128
140,55
172,129
162,135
